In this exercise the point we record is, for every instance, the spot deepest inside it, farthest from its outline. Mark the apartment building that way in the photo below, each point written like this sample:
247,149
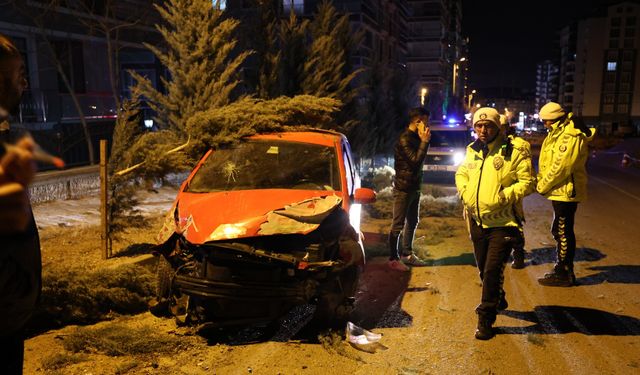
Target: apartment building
70,39
600,69
546,84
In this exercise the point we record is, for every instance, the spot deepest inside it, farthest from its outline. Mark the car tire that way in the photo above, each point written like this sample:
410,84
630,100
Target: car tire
164,275
335,302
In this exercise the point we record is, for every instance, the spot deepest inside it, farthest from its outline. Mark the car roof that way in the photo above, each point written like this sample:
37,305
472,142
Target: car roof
309,135
451,128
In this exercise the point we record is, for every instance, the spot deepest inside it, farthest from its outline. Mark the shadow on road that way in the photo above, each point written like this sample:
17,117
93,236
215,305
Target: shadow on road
564,319
380,296
545,255
464,259
135,249
620,274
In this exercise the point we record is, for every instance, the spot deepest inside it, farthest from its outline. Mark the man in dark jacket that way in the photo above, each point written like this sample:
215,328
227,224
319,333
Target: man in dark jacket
410,152
20,262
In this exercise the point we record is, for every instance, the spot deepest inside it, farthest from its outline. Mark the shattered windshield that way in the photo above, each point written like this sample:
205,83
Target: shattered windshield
268,164
452,139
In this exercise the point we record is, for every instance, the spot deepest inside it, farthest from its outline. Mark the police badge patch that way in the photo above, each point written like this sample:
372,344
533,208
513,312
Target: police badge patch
562,148
498,162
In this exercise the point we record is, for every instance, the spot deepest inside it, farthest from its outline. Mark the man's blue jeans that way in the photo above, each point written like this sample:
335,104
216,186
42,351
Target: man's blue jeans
406,214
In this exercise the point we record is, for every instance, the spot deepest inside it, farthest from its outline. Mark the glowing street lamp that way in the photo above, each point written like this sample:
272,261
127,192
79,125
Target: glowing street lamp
470,98
423,94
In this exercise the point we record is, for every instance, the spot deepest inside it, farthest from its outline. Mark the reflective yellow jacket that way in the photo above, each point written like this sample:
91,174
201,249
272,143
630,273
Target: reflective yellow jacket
525,148
562,175
480,180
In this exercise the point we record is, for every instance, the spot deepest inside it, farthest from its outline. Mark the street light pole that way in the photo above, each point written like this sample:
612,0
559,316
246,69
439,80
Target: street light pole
470,99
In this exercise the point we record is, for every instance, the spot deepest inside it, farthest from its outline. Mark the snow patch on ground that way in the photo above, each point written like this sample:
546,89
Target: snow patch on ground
86,211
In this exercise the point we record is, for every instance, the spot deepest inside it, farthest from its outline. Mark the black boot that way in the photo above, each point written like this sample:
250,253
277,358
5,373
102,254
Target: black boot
503,304
518,259
560,276
484,330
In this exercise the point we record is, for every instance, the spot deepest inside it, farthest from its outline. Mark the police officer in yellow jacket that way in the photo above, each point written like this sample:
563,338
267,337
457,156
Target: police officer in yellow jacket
493,177
562,178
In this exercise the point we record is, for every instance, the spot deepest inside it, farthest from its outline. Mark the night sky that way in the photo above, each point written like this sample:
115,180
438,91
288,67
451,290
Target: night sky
508,38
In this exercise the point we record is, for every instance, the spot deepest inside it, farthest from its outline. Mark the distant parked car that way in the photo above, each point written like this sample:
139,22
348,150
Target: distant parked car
264,225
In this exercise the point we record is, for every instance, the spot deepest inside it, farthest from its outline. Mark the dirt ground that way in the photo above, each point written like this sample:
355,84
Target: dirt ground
426,317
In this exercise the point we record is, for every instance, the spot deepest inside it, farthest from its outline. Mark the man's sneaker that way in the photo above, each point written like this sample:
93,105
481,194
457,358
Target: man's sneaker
558,278
518,259
397,265
413,260
484,330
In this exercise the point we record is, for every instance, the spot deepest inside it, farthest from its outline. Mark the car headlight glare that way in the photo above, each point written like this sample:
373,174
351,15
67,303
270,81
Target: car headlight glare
227,231
458,157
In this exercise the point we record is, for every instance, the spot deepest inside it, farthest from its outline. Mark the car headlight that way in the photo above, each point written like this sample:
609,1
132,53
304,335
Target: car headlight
227,232
354,216
458,157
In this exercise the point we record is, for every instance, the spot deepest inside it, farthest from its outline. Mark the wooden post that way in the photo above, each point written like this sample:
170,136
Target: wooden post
104,223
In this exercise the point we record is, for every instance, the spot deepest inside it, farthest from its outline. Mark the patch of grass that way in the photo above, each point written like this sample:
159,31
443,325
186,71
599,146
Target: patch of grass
124,368
120,339
447,206
61,360
535,339
77,296
434,191
434,203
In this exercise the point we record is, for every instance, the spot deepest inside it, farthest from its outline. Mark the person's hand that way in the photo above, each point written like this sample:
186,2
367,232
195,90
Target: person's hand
14,208
501,198
17,164
424,133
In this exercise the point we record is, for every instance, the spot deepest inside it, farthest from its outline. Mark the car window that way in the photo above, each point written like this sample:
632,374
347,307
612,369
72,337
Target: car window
453,139
268,164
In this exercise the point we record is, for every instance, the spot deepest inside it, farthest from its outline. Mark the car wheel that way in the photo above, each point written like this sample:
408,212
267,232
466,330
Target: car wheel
159,304
335,302
164,274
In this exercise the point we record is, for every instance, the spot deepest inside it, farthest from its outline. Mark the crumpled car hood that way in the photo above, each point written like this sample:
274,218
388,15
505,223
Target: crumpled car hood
248,213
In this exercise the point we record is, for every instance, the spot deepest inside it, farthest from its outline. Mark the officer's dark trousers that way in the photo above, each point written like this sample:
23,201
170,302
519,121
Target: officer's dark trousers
406,211
562,229
491,248
11,354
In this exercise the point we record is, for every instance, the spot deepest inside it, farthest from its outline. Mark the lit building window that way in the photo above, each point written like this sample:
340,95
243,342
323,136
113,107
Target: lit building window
222,4
296,5
611,66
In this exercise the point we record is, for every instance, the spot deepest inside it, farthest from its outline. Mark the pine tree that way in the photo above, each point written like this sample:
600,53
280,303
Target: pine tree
200,105
377,130
268,51
122,189
249,116
203,67
327,71
293,37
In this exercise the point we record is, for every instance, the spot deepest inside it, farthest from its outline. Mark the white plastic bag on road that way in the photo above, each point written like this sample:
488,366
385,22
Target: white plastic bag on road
363,339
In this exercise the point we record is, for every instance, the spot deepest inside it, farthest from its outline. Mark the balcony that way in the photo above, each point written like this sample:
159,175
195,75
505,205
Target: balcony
49,106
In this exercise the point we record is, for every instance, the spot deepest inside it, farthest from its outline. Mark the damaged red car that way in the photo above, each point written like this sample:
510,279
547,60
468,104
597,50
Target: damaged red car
264,225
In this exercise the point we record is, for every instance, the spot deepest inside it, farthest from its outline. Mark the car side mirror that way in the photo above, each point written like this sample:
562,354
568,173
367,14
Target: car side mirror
364,196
